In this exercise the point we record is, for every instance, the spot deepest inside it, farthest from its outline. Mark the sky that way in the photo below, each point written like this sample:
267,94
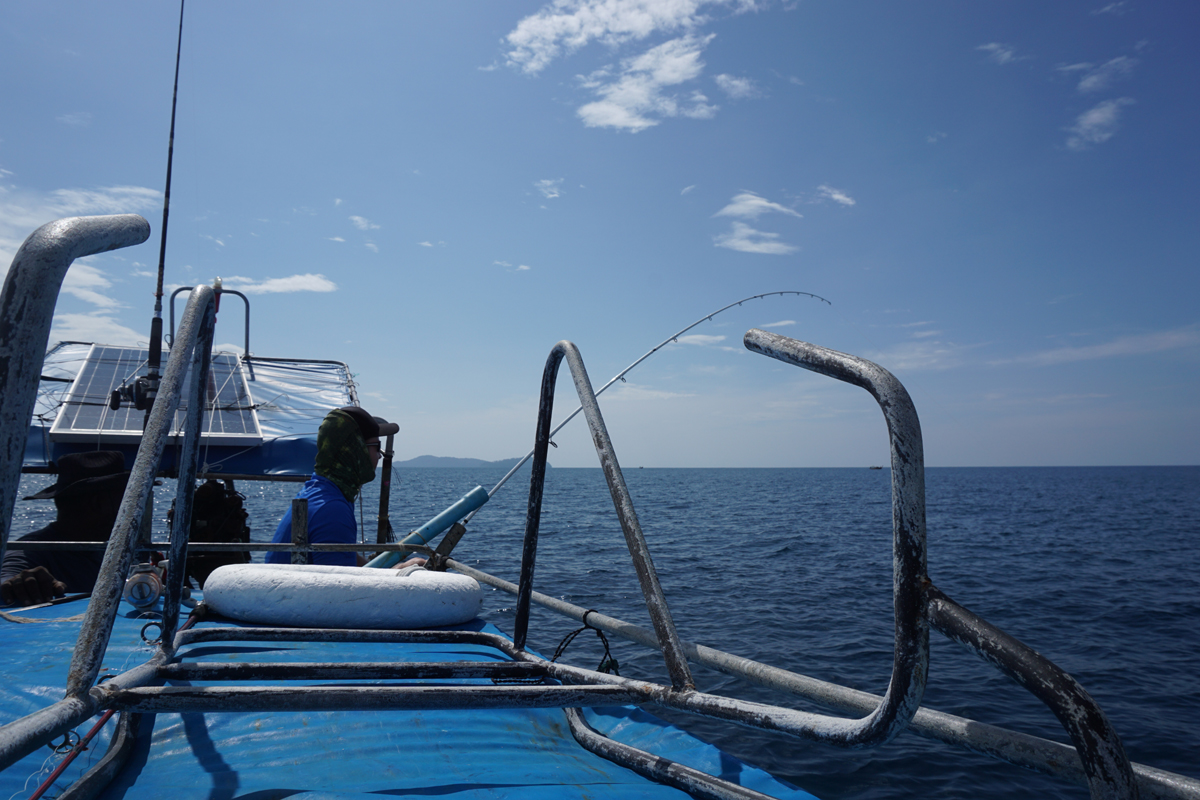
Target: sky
997,200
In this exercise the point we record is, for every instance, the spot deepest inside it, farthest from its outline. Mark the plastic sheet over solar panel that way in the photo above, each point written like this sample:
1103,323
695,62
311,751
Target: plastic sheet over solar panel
229,416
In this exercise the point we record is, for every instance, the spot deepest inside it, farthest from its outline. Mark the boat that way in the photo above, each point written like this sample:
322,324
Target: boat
190,702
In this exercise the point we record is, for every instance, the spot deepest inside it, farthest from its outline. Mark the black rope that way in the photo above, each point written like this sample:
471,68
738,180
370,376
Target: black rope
608,664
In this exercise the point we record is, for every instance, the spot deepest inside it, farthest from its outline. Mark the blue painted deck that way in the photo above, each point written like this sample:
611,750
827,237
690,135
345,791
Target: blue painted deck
506,753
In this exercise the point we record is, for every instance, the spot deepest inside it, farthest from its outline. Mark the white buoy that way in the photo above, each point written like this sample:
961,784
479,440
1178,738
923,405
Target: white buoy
319,596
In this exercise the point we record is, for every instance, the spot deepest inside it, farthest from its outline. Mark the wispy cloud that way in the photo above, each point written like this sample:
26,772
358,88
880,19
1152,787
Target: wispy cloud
98,327
502,263
336,239
836,195
636,97
293,283
746,239
783,323
1136,345
363,224
923,354
737,88
701,339
1098,124
425,244
549,188
1098,78
1117,9
524,268
88,283
935,137
23,211
999,53
374,248
77,119
565,26
750,206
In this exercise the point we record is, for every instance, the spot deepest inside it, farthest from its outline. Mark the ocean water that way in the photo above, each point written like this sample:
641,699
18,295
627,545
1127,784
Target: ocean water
1096,568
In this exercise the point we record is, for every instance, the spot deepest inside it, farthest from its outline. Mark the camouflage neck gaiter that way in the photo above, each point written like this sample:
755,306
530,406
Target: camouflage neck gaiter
342,454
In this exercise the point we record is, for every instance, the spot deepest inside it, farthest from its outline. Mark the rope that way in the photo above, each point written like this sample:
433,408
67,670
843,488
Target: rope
608,664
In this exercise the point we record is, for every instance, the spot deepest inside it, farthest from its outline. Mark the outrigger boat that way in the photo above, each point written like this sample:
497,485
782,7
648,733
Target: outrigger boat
206,705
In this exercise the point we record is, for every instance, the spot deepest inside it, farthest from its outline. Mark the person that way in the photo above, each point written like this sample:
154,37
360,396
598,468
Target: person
348,450
87,496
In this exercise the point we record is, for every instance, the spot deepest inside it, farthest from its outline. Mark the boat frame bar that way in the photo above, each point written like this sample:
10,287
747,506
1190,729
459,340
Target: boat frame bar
918,604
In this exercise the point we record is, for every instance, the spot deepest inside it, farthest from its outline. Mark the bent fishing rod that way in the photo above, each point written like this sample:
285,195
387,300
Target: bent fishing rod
472,502
620,376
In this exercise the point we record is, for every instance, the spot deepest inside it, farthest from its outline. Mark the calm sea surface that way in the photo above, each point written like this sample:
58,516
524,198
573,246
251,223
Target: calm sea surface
1096,568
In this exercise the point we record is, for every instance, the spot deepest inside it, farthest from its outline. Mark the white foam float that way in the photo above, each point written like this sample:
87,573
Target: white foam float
319,596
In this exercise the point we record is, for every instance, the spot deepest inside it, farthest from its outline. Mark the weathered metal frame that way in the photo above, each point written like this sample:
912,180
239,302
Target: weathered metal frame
27,304
917,604
1105,764
82,699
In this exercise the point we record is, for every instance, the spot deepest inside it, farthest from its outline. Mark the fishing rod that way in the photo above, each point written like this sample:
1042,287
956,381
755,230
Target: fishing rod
620,376
471,503
156,324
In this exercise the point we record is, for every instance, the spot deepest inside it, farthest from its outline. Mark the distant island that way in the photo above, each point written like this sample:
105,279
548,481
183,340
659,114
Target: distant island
426,462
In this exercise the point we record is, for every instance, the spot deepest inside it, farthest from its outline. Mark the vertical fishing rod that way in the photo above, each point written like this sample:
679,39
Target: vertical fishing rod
156,324
620,376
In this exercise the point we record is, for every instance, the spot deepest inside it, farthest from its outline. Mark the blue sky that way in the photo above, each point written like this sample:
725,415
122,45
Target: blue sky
997,199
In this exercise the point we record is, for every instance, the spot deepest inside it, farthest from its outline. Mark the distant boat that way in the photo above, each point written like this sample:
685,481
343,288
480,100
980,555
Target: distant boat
874,467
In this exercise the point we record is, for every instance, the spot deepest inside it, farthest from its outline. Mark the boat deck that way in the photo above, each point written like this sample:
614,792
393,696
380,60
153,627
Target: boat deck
526,753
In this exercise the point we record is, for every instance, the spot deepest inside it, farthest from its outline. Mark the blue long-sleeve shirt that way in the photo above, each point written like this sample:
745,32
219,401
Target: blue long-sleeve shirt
330,521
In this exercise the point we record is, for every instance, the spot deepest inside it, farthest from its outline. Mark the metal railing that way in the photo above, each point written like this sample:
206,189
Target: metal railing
917,606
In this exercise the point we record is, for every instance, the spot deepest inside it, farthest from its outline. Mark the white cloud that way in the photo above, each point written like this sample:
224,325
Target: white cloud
88,284
502,263
635,99
77,119
751,206
374,248
293,283
1097,125
336,239
566,26
1116,9
1140,344
337,201
1098,78
702,339
836,195
783,323
23,211
687,189
549,188
998,53
737,88
425,244
98,327
748,240
363,224
632,392
935,137
920,355
523,268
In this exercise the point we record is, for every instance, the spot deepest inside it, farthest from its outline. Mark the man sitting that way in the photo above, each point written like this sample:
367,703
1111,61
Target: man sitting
87,496
348,449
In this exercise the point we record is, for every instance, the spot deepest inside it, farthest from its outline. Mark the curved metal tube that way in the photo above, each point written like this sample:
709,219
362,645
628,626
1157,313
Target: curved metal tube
26,311
656,602
910,661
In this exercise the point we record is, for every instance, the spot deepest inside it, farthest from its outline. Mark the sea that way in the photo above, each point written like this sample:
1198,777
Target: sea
1097,568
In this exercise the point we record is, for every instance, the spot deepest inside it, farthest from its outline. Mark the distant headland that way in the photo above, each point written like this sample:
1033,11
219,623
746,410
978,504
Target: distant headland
427,462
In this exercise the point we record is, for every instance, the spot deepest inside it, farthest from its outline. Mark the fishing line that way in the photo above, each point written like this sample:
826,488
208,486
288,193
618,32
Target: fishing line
621,375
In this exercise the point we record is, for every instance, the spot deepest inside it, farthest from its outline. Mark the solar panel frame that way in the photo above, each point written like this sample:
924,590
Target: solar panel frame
229,417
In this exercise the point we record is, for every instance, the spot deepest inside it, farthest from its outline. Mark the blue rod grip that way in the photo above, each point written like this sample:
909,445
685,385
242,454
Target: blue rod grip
422,535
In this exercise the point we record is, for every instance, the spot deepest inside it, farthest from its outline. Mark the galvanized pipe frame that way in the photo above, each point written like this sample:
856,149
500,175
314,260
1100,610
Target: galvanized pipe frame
27,304
910,661
1020,749
656,603
83,697
1109,774
1107,768
656,768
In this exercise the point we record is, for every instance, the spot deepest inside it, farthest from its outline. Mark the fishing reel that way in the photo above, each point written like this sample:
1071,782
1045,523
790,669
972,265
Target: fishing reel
140,394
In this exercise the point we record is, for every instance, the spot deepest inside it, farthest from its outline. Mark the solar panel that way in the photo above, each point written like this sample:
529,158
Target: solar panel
228,418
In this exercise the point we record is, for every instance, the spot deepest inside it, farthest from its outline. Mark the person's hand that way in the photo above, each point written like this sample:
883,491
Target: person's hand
30,587
412,562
